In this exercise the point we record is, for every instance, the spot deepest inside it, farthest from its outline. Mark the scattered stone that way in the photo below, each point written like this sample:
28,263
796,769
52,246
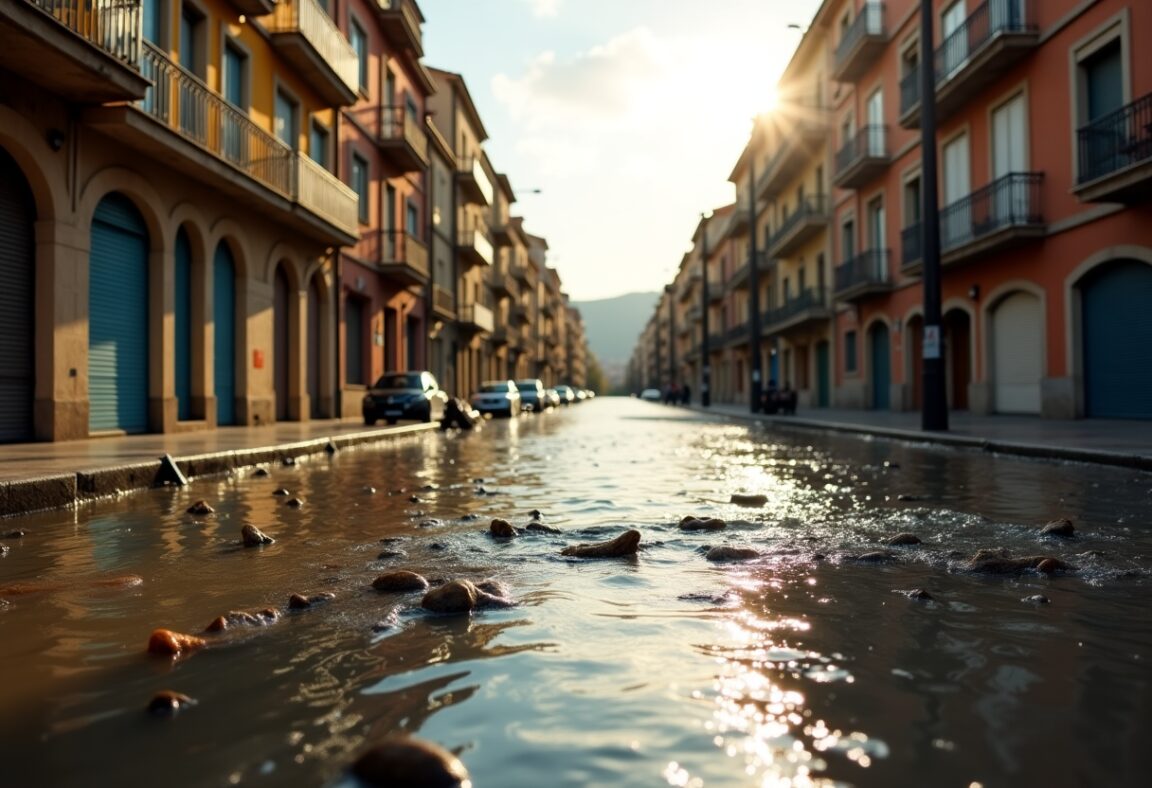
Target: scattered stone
437,546
167,703
251,536
902,540
301,602
1050,565
909,497
281,491
18,534
478,480
262,472
455,596
693,523
414,499
242,618
430,523
874,557
541,528
173,644
818,556
731,553
295,503
387,554
1062,528
399,581
997,562
1036,599
406,762
200,508
369,490
470,517
1091,554
742,499
625,544
391,539
917,594
501,529
536,514
428,487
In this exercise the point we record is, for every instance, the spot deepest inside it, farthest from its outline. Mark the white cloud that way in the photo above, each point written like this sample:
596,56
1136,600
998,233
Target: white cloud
544,8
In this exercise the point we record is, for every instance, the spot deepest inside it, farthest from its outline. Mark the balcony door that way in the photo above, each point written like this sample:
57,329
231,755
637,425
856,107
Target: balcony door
957,216
877,239
875,111
233,64
954,38
1009,155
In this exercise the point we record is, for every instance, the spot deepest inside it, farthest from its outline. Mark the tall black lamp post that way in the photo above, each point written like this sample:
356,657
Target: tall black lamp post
934,414
705,349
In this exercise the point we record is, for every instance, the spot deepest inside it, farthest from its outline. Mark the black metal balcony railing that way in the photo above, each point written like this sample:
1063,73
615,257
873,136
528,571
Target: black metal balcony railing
868,22
870,142
736,333
398,124
809,298
1012,200
113,25
910,90
402,247
867,268
811,207
1115,141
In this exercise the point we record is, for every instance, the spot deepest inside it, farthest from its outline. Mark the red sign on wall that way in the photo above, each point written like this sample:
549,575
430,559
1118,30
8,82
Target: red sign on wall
258,359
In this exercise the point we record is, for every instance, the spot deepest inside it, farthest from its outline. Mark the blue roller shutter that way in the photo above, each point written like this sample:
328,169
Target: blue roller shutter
17,296
1118,341
224,347
118,318
183,314
881,366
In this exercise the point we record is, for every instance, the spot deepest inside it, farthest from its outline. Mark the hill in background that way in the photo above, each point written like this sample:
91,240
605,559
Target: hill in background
612,326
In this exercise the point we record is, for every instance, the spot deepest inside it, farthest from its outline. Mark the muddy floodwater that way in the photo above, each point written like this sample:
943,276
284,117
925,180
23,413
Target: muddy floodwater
802,666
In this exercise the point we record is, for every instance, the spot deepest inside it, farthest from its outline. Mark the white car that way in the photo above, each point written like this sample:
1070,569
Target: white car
498,397
652,395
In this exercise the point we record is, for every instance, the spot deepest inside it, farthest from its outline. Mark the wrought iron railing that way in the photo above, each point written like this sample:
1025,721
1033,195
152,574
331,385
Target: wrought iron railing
307,18
1012,200
443,299
808,298
397,123
811,207
870,142
1116,140
868,22
395,247
867,268
736,333
112,25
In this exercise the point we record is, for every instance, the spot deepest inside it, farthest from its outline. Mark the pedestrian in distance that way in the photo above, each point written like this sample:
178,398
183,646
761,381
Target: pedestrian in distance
686,395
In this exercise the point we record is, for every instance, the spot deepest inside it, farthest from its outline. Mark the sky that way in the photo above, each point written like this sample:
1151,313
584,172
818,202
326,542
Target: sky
626,115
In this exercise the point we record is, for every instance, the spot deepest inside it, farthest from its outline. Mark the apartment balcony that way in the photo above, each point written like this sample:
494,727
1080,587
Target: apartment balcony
308,39
862,43
738,223
808,123
473,246
863,275
809,306
398,255
400,136
1115,155
694,314
400,22
519,315
475,188
736,335
443,303
547,308
995,37
501,284
502,232
500,336
86,52
808,221
739,278
999,216
863,159
475,319
195,132
521,272
715,288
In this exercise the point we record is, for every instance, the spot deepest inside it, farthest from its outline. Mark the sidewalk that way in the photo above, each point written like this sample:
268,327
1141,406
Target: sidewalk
1108,441
36,476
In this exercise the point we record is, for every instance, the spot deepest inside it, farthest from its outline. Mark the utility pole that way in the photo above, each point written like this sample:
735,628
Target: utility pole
705,350
934,414
753,283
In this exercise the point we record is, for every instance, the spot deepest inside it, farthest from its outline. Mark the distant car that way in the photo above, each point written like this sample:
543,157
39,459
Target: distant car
532,394
652,395
498,397
404,395
581,395
565,394
551,398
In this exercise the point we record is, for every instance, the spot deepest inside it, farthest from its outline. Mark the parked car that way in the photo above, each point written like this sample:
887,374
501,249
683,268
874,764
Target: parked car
498,397
652,395
565,394
532,394
404,395
552,399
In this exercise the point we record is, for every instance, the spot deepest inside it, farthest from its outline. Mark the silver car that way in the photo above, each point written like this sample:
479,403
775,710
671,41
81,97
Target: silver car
498,397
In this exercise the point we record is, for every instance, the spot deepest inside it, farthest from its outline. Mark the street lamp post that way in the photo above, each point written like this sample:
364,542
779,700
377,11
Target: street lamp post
705,350
934,415
754,288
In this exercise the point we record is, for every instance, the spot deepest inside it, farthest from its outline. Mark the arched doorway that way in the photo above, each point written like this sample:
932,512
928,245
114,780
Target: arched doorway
182,313
118,318
281,341
958,356
1017,328
1117,340
224,342
17,300
880,365
315,300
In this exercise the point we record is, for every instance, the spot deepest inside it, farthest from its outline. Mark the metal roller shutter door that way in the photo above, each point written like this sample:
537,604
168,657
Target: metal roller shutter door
224,347
1018,353
17,296
118,318
1118,341
881,366
183,309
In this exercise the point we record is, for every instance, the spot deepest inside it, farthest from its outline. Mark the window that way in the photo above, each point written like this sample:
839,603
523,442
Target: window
153,14
412,109
192,39
912,204
360,186
801,280
848,240
412,220
359,41
318,144
849,351
234,75
286,126
1102,81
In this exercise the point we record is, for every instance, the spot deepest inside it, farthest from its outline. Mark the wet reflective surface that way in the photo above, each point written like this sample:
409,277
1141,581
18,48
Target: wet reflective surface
801,667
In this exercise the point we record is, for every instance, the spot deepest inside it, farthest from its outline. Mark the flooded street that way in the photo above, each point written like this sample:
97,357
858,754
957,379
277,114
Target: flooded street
803,666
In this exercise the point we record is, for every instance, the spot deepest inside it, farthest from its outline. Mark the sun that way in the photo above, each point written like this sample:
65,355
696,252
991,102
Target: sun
769,100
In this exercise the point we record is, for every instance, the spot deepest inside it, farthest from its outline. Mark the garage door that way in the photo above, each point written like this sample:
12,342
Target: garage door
118,318
1118,341
1018,353
17,285
224,346
281,357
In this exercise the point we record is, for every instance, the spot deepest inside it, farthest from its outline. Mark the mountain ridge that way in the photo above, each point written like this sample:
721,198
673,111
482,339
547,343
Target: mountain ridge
612,327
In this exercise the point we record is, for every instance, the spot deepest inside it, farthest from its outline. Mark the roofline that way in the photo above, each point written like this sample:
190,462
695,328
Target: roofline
469,105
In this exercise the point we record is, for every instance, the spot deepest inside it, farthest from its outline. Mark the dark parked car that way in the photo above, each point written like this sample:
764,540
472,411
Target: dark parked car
566,394
404,395
532,394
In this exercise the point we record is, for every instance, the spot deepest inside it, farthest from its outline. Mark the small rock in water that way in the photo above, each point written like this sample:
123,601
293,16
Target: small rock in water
1036,599
455,596
414,499
742,499
242,618
369,490
167,703
200,508
301,602
408,762
693,523
541,528
430,523
997,562
902,540
730,553
909,497
281,491
626,543
470,517
874,557
1050,565
501,529
260,472
536,514
289,461
18,534
386,554
295,503
401,580
172,644
918,594
251,536
1062,527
